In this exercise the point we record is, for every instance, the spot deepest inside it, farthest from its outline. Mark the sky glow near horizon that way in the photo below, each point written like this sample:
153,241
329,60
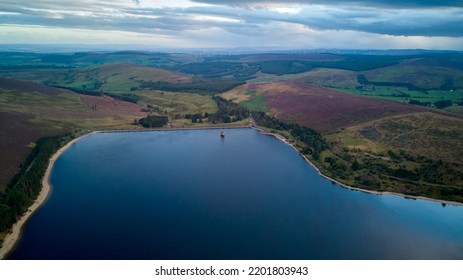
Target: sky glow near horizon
293,24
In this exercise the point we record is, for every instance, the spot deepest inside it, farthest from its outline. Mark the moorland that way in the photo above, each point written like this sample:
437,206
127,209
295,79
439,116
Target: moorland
376,122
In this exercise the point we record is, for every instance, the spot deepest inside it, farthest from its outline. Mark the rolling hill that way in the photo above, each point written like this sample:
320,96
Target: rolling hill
29,111
374,139
320,108
371,143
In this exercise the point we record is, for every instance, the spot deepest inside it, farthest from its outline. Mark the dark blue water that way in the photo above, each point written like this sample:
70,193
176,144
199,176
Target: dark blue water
193,195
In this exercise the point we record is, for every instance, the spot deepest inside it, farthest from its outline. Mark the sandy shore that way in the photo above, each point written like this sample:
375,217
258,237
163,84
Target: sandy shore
15,233
281,138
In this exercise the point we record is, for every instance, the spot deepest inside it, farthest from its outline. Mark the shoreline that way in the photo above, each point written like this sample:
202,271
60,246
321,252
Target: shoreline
174,128
15,232
281,138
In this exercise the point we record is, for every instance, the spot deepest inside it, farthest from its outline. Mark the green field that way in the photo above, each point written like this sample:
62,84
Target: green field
177,103
256,104
405,95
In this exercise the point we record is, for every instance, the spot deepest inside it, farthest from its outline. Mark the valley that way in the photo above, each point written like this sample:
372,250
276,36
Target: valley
386,119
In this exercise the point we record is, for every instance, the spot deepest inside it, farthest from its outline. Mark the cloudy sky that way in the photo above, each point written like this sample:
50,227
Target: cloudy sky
348,24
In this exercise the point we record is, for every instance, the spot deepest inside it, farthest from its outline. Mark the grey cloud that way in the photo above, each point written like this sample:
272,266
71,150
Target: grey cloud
149,21
405,23
380,21
255,23
88,6
369,3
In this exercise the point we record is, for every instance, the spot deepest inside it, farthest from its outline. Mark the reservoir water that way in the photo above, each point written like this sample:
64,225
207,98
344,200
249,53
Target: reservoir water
193,195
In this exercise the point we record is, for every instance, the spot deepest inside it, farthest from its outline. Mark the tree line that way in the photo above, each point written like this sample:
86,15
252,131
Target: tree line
441,104
128,97
227,112
26,185
312,138
197,85
151,121
364,81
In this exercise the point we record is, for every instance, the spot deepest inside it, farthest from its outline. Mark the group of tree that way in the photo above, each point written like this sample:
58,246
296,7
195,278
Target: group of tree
24,188
364,81
197,85
196,118
227,112
152,121
312,138
128,97
338,168
419,103
218,69
441,104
